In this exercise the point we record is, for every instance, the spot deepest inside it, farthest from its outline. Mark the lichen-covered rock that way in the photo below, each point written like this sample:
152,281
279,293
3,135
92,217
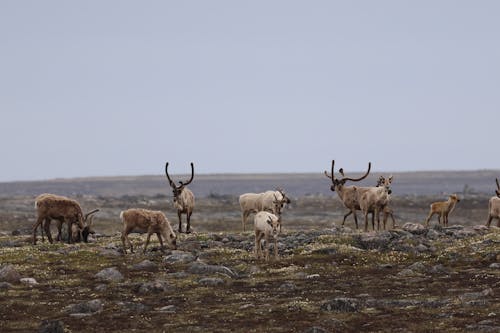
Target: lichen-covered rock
109,275
414,228
342,304
89,307
156,286
145,265
8,273
51,326
199,267
179,257
211,281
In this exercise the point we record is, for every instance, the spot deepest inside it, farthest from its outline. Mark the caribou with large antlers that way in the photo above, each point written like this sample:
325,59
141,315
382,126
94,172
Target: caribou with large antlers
494,206
183,198
349,195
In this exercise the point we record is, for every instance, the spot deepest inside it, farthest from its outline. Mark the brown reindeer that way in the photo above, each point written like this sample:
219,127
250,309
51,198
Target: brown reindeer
442,209
183,198
349,195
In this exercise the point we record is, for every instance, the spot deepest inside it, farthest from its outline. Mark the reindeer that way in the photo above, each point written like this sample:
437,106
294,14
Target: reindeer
183,198
442,209
387,210
494,207
266,224
271,201
349,195
374,200
54,207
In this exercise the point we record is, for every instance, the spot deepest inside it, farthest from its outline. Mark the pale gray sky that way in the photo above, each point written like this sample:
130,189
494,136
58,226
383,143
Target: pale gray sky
90,88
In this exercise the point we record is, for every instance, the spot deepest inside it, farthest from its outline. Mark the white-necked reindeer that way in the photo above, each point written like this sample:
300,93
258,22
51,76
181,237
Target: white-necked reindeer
183,198
375,200
494,207
349,195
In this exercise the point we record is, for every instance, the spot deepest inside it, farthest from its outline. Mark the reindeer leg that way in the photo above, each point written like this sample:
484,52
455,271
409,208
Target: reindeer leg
428,219
47,231
267,246
489,220
180,221
366,221
147,240
39,222
188,217
355,218
161,241
345,216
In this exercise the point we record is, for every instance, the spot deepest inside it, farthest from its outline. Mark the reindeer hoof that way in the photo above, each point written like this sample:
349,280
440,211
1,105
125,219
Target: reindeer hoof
188,231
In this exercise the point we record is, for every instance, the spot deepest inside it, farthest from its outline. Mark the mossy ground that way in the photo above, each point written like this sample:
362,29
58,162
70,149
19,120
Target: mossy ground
259,300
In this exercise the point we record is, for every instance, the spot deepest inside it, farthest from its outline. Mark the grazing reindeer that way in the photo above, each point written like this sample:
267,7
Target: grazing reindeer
443,209
266,224
348,194
374,200
54,207
183,199
494,207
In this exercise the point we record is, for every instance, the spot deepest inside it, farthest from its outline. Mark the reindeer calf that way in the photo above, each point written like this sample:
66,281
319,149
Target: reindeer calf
266,224
149,221
443,209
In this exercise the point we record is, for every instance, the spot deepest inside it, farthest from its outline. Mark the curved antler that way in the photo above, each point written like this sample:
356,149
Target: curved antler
332,177
192,176
168,177
362,177
90,213
498,184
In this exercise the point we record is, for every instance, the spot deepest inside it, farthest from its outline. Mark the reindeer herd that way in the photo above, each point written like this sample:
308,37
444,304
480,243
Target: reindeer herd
266,206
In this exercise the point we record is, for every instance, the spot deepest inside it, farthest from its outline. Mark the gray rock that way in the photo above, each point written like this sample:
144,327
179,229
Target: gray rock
5,286
198,267
433,234
109,275
342,304
90,307
211,281
167,309
495,265
374,240
440,269
157,286
8,273
476,295
179,257
28,281
288,286
418,267
145,265
134,307
51,326
414,228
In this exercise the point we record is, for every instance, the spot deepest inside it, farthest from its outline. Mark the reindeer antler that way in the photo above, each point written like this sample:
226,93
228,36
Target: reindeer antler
331,176
362,177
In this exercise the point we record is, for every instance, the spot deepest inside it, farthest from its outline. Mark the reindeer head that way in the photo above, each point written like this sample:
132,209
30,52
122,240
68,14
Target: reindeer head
177,190
337,183
87,229
454,197
386,183
284,199
275,225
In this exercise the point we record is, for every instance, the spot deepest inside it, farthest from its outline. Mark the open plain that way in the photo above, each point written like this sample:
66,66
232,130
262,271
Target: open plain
329,278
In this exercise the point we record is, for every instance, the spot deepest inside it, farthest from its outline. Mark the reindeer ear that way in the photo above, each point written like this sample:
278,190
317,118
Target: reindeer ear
391,178
270,221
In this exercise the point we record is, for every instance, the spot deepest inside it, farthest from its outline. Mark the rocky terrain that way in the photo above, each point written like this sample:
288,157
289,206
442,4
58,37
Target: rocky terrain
328,277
